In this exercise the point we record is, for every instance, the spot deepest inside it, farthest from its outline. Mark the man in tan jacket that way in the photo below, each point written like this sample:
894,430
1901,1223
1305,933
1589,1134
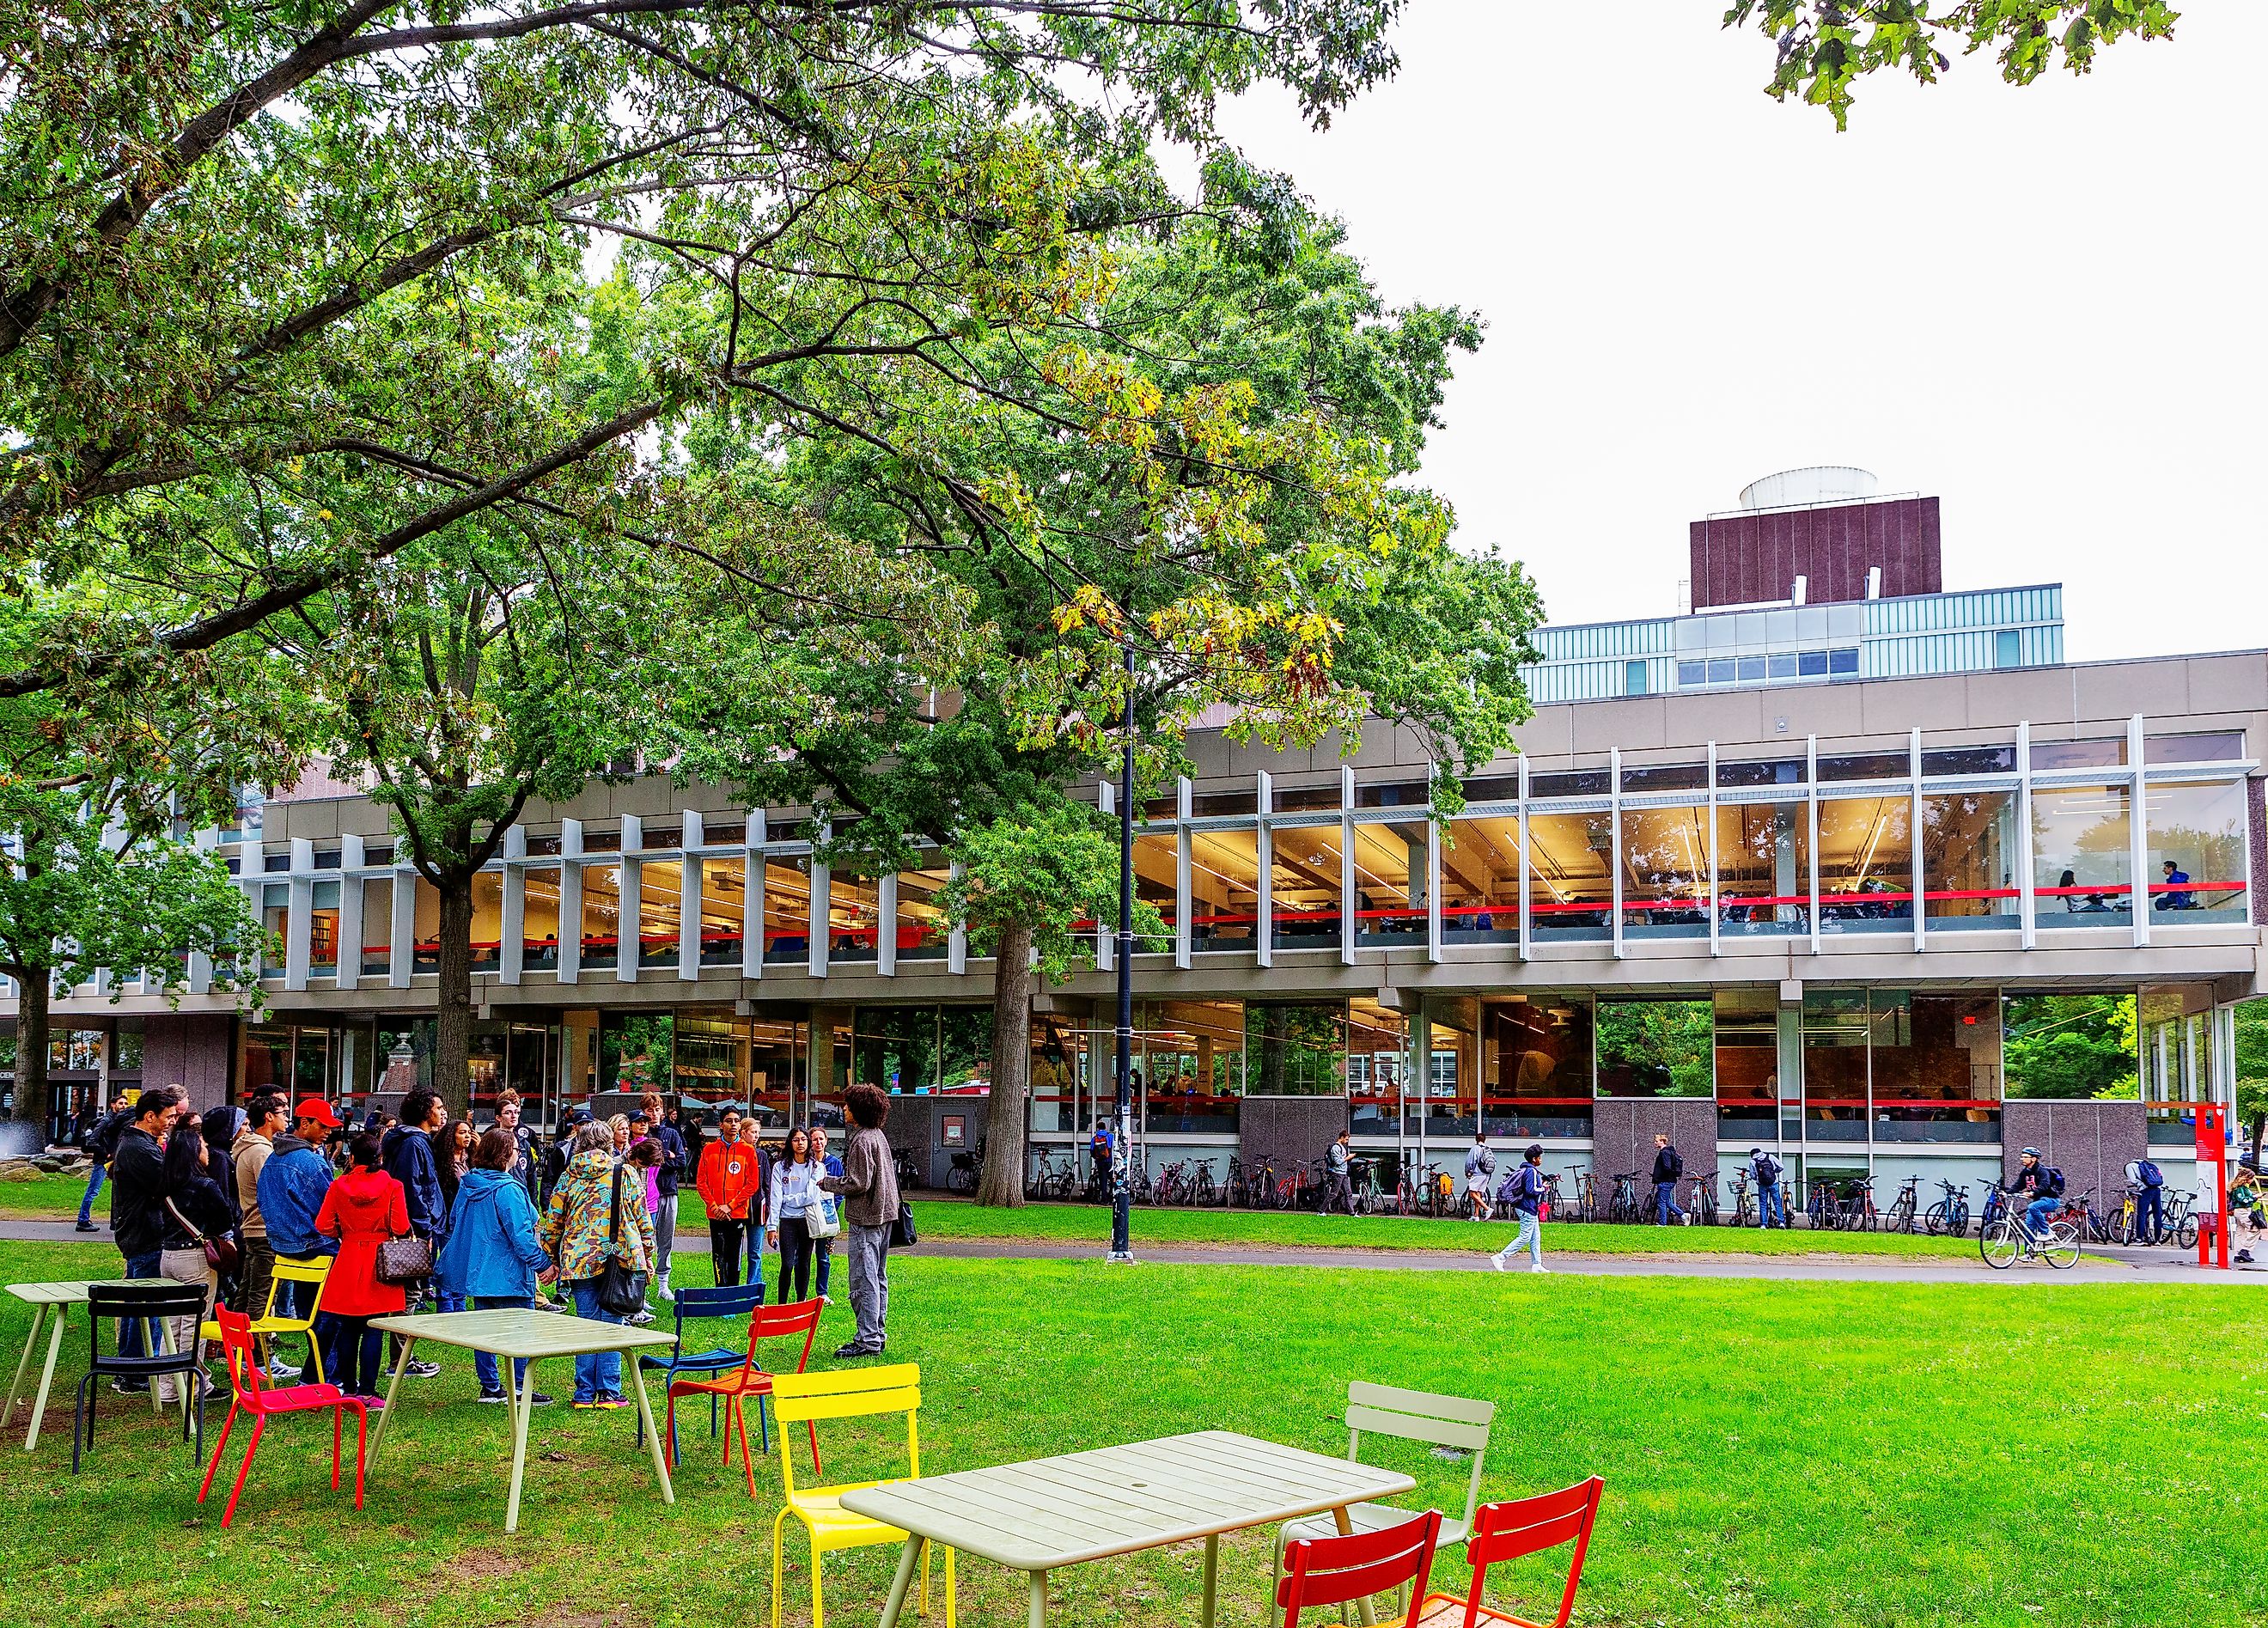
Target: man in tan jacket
254,1146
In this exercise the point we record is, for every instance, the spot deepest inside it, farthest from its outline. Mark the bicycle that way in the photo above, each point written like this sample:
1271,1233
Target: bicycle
1623,1206
1744,1204
1949,1215
1824,1213
1174,1186
2004,1240
966,1166
2181,1224
1369,1195
1580,1207
1202,1189
1703,1204
1050,1180
1550,1197
1900,1217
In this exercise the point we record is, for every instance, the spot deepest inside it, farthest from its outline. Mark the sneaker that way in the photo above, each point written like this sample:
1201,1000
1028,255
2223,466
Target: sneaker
88,1226
1496,1261
638,1319
1539,1268
584,1403
419,1369
372,1401
612,1399
129,1387
827,1300
853,1348
494,1397
661,1290
280,1370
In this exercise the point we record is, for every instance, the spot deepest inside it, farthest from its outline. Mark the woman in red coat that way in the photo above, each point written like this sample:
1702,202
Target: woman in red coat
363,1208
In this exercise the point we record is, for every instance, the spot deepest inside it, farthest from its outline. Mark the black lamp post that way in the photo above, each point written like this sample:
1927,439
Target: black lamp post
1122,1163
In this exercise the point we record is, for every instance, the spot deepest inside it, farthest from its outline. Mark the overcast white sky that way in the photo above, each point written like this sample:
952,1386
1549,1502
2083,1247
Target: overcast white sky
2044,306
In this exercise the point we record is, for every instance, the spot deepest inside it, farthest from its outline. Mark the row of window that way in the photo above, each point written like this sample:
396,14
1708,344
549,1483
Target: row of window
1780,664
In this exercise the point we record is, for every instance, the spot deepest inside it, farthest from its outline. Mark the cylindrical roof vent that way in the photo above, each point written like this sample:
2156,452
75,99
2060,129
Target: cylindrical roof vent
1819,483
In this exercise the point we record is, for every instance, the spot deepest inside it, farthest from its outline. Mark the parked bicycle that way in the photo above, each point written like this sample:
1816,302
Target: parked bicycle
1949,1215
1624,1205
1744,1202
961,1178
1054,1175
1902,1208
1703,1205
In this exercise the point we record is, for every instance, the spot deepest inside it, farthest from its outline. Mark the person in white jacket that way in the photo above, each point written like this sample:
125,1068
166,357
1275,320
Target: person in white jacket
801,1214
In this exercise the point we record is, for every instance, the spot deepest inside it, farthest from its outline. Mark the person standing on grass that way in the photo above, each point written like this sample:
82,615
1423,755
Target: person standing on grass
1339,1173
254,1147
362,1208
794,1195
408,1150
1669,1165
137,1213
101,1143
1480,1178
823,1248
727,1184
869,1188
665,1185
597,1200
493,1260
1764,1171
1527,1186
192,1209
525,1162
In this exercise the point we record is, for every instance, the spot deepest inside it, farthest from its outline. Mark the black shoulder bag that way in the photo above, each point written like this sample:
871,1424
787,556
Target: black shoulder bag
621,1288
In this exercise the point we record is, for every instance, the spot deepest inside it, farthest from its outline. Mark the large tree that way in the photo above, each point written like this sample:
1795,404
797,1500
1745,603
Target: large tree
1199,458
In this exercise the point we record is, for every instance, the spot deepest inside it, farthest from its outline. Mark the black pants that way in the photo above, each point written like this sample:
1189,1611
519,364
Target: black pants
795,1252
725,1250
1102,1157
354,1356
1340,1192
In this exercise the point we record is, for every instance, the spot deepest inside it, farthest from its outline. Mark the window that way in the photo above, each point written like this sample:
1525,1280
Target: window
1156,859
2196,871
539,920
602,910
1571,890
1665,872
1303,887
1414,793
1781,666
1811,663
1634,678
1935,1066
1764,868
1783,771
1866,766
1295,1048
2081,856
1305,799
661,901
724,910
1583,782
1834,1064
1720,670
787,908
2006,649
2070,1046
1480,880
1973,760
1865,864
1842,663
1224,889
1669,777
1191,1054
276,924
1537,1063
1746,1036
1969,858
854,920
488,919
1656,1048
924,932
376,925
1389,881
323,931
1692,674
1751,668
2078,754
2217,748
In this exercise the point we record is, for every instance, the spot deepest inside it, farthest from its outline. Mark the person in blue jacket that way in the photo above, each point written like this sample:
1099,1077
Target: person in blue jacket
491,1257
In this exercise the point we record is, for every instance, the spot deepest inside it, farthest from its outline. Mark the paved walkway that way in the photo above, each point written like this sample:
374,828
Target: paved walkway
2124,1266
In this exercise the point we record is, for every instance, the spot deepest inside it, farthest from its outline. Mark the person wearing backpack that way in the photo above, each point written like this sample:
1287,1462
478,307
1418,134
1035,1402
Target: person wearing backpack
100,1142
1480,1178
2149,1196
2042,1186
1669,1165
1525,1187
1764,1171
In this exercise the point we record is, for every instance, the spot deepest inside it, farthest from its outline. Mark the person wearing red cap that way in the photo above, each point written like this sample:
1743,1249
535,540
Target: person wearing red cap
291,1187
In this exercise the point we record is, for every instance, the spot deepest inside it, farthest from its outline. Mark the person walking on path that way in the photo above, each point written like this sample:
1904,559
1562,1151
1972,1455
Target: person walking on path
137,1215
1480,1178
101,1143
1764,1171
665,1181
824,1248
1339,1173
726,1183
869,1188
192,1209
596,1211
1669,1165
1527,1186
493,1259
362,1208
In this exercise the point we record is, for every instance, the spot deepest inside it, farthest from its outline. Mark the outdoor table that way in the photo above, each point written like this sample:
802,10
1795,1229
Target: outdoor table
1054,1512
529,1337
55,1300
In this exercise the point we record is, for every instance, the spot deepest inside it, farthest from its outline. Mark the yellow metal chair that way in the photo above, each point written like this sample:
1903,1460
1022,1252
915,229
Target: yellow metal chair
857,1393
315,1269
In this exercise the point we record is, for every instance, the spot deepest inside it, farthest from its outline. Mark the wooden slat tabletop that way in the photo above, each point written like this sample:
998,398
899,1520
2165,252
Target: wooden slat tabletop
522,1334
72,1291
1054,1511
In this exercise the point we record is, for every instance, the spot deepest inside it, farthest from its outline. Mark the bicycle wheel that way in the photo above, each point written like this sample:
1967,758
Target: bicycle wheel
2186,1235
1205,1192
2000,1243
2062,1246
1934,1221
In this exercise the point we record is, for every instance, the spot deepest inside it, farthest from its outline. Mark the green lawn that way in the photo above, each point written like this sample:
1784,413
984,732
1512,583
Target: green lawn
1776,1454
50,1197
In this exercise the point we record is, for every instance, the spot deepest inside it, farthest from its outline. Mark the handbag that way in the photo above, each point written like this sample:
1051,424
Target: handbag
621,1287
404,1260
823,1217
220,1253
903,1233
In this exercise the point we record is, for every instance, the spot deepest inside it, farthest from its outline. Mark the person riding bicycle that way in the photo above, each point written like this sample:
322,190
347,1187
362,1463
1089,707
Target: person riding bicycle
1480,1177
2043,1186
1764,1171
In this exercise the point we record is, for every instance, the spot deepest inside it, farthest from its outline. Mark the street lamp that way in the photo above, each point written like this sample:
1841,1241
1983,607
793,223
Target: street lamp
1122,1162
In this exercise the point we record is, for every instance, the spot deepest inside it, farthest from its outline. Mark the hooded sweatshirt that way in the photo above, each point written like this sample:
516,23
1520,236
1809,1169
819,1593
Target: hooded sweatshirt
575,1222
492,1251
291,1185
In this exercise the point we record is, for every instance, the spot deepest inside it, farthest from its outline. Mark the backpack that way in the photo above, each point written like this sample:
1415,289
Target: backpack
1677,1162
1488,1162
2054,1177
2149,1172
1768,1171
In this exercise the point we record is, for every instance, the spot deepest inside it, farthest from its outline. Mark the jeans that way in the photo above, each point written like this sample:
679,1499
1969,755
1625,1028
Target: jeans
93,1186
725,1250
2036,1213
756,1235
825,1249
2149,1215
597,1373
1530,1237
1769,1209
1665,1202
795,1241
355,1347
130,1337
484,1363
870,1283
664,1234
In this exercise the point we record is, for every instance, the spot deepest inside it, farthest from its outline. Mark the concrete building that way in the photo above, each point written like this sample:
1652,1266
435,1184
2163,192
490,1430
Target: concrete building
1886,924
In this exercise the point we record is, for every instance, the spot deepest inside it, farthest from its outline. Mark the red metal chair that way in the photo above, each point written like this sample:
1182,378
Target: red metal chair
1332,1571
750,1378
253,1396
1506,1532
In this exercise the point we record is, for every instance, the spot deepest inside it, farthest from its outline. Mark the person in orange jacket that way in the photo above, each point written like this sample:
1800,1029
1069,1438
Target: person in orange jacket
730,1182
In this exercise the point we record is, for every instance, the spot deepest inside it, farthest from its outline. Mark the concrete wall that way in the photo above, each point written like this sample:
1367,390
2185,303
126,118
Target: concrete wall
1623,1129
2089,1142
1289,1131
196,1052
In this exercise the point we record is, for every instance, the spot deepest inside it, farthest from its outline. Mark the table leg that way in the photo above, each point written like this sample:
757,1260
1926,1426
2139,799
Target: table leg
1346,1524
1039,1618
908,1562
523,1406
47,1376
393,1388
646,1421
24,1365
1212,1575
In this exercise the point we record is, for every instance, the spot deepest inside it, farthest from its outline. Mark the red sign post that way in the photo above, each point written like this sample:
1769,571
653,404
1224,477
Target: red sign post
2212,1156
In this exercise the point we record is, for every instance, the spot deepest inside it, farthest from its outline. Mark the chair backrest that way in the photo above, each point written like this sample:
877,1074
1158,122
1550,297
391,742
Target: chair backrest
124,1302
850,1393
315,1269
772,1323
703,1305
1526,1526
1332,1571
243,1370
1459,1422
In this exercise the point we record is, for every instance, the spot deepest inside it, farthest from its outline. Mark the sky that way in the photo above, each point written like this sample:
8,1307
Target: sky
2044,305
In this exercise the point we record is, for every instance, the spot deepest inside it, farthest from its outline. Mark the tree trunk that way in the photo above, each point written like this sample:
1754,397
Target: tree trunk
452,1038
1002,1180
32,1047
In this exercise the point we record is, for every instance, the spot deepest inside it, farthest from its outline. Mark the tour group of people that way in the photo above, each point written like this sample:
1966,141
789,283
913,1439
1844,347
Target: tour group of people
503,1220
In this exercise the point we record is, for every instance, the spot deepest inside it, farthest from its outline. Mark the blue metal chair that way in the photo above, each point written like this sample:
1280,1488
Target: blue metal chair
734,1305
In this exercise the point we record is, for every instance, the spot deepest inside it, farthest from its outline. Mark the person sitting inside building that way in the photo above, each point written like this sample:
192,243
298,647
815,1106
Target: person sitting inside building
2175,900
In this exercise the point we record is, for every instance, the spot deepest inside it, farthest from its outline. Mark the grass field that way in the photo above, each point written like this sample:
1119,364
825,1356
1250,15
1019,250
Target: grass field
50,1197
1775,1454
